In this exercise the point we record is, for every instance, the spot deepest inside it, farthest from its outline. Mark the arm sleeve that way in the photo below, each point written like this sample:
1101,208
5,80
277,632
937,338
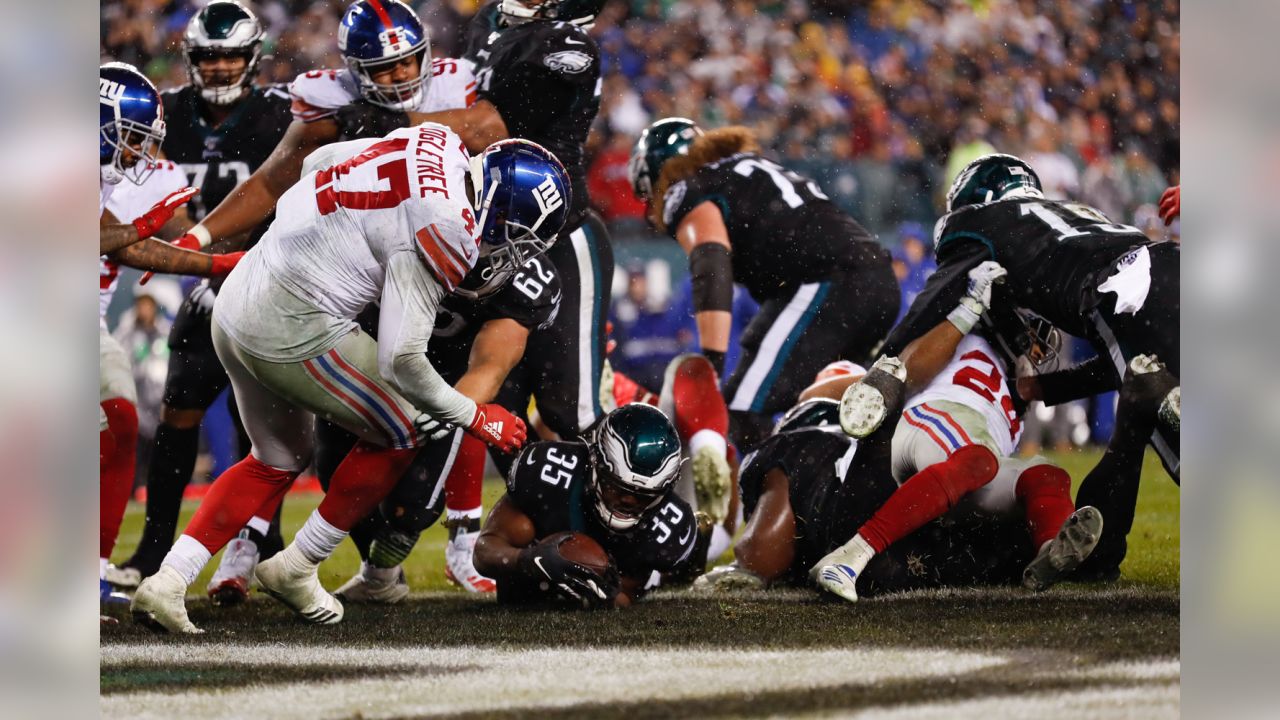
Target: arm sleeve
1091,377
409,301
940,295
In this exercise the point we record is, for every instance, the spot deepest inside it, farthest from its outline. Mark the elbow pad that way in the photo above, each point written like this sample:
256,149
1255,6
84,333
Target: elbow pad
712,272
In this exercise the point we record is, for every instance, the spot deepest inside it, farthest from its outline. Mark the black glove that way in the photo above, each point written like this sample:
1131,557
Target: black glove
363,119
571,581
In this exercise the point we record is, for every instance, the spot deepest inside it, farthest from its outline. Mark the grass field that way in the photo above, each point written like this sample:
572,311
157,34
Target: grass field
1095,651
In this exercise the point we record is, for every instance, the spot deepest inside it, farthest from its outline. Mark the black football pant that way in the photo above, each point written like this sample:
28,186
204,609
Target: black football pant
194,381
562,364
794,336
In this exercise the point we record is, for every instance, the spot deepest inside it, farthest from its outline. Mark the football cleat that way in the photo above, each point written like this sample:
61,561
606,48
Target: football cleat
295,581
229,585
731,578
1075,541
373,586
1171,409
867,403
161,603
107,595
838,579
125,577
712,482
459,567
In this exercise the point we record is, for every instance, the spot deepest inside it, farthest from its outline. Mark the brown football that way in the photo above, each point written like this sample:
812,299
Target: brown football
581,549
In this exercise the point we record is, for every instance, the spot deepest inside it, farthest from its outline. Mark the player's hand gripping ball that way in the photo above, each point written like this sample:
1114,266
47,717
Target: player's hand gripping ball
575,567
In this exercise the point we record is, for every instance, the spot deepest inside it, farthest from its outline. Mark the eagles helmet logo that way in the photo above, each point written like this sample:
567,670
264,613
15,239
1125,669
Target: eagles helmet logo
568,61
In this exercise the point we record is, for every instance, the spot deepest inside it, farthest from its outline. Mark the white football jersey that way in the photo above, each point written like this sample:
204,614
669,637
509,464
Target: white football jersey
318,94
975,378
338,227
126,201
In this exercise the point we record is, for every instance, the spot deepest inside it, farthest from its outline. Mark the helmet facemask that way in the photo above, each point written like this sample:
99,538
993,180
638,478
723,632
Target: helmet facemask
403,95
221,87
222,29
619,505
135,148
517,12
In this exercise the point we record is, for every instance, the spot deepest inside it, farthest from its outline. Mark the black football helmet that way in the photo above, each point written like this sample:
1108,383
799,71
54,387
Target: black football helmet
222,28
991,178
575,12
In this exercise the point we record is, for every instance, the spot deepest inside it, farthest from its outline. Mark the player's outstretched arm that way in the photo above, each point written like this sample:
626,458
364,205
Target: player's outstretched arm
168,214
927,355
479,126
705,239
251,202
496,349
507,532
161,257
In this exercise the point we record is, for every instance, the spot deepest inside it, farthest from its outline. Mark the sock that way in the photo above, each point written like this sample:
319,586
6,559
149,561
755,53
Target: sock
720,541
102,568
173,460
317,539
708,438
381,576
106,446
928,495
1044,491
234,498
259,525
698,402
115,476
856,553
362,480
464,486
188,556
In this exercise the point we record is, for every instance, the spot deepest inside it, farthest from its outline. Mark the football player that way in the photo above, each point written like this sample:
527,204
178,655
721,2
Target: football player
615,487
221,127
1072,266
826,289
389,65
538,77
131,128
285,331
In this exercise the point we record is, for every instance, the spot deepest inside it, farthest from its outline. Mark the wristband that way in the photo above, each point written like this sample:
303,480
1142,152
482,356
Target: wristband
966,315
201,233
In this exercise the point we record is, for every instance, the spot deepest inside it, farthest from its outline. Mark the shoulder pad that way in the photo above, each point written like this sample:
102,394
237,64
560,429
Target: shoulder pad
319,93
452,86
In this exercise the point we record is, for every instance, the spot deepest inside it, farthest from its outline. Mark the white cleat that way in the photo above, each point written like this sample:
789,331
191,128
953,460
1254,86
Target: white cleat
1171,409
864,406
161,603
125,578
459,565
729,578
838,579
229,586
1075,541
375,586
712,482
291,579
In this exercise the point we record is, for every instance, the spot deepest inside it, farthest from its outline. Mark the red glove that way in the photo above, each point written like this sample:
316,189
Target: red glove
497,427
224,264
150,222
1171,204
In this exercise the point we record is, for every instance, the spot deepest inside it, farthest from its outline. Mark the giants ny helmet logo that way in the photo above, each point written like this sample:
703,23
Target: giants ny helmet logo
110,92
547,196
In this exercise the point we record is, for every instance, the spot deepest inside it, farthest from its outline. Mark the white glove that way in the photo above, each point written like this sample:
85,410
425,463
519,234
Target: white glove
202,297
977,298
432,428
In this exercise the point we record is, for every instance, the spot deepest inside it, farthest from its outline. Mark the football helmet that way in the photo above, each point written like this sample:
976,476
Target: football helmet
635,458
374,34
224,28
991,178
659,142
523,196
575,12
130,124
812,413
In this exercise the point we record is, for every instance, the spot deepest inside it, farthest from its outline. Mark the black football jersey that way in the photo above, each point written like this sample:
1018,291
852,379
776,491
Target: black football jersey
544,79
531,298
1057,253
783,230
548,483
216,160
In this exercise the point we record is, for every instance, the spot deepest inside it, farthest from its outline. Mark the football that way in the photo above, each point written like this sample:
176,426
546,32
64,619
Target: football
581,549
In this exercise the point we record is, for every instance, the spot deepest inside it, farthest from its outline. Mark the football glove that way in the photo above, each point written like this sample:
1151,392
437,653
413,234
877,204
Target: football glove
432,428
201,299
150,222
497,427
1171,204
224,264
977,298
571,581
363,119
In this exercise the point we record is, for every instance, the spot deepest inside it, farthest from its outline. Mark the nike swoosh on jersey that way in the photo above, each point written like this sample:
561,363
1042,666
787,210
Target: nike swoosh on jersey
571,41
687,534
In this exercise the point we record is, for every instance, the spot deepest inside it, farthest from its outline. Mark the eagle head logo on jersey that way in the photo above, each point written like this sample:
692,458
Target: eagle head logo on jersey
568,61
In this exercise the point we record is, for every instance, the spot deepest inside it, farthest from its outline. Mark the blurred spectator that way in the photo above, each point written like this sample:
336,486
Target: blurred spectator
610,187
648,333
913,262
143,332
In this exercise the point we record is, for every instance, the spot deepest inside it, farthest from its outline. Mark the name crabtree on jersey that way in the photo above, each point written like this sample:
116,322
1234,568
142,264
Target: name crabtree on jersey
217,159
127,201
765,207
548,483
319,94
526,69
1057,253
531,298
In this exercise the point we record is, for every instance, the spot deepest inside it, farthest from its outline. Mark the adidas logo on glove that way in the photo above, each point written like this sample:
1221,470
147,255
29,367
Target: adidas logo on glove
494,429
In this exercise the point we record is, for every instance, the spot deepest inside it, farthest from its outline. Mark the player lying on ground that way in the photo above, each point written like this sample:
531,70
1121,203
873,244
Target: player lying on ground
285,331
616,488
130,132
830,295
1072,266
